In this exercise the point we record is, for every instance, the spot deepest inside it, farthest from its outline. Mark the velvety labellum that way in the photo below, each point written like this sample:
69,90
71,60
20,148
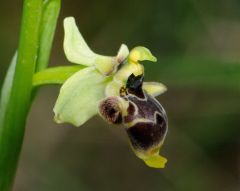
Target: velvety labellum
144,118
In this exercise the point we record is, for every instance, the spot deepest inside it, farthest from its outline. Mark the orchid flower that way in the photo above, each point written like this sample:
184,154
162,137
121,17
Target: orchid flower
113,87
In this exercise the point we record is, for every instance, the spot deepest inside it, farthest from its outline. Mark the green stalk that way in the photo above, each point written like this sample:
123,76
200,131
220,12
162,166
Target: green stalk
16,93
55,75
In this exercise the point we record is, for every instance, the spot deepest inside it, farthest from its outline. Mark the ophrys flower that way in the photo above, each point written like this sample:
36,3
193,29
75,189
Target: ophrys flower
113,86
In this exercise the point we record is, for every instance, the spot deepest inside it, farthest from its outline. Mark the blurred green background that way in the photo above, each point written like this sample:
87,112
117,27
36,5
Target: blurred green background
197,44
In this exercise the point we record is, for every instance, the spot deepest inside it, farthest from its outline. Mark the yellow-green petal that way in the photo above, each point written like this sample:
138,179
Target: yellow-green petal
154,88
79,97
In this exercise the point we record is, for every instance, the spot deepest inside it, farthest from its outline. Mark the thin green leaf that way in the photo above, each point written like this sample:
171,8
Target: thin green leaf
50,15
7,86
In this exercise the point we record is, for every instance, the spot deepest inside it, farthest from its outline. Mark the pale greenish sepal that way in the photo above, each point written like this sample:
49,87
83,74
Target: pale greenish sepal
75,47
141,53
79,97
154,88
77,50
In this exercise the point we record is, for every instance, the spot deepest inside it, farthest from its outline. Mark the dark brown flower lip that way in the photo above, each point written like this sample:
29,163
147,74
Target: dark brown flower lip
145,119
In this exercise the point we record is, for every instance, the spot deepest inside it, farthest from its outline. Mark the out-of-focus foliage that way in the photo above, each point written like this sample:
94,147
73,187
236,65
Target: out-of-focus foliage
197,44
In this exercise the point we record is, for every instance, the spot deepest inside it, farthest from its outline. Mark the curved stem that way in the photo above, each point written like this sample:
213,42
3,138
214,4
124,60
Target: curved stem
55,75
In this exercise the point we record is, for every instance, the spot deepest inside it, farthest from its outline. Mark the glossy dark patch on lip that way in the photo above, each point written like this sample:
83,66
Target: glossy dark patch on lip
145,135
137,92
147,107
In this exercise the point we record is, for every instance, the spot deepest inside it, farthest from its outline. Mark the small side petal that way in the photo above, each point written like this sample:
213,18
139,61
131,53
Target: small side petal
154,88
75,47
79,97
108,65
123,52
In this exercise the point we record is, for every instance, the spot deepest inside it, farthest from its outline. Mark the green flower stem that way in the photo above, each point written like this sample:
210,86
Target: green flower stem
16,95
55,75
50,15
